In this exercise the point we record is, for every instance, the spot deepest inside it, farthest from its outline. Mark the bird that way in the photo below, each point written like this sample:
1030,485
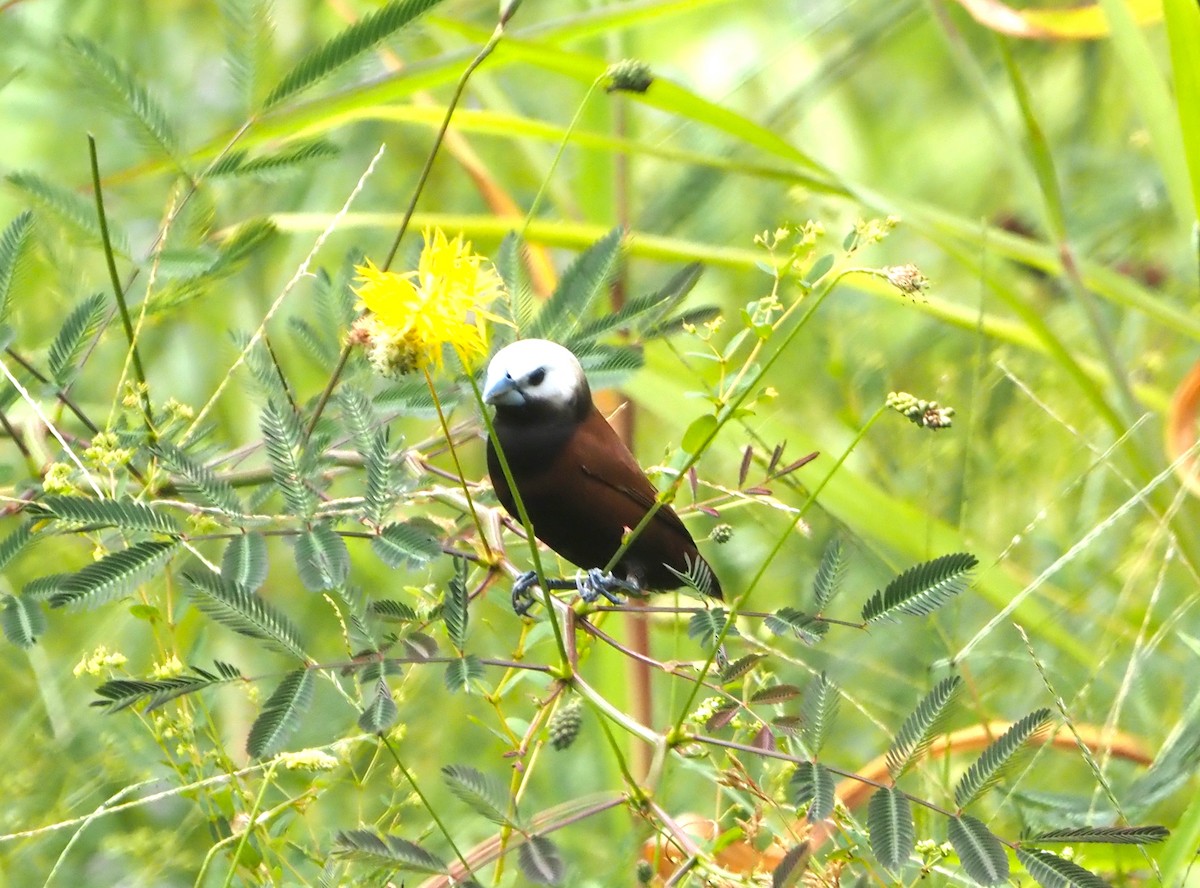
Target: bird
581,487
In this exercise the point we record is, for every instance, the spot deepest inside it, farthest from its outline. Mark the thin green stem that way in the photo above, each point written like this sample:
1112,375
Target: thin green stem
251,816
118,290
425,802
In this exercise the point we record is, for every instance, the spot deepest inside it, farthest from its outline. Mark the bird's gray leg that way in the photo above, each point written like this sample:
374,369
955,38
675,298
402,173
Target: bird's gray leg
596,583
522,600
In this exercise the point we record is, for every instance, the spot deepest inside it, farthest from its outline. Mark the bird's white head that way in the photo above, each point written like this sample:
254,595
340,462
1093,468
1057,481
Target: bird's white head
535,373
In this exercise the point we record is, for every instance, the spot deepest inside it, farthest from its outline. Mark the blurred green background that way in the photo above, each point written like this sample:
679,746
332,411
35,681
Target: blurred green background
1058,236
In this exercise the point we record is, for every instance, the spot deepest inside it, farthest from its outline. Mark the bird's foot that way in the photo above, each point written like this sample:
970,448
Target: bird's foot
595,584
522,598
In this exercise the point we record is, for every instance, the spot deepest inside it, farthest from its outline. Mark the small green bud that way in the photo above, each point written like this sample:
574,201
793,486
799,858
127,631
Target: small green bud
628,75
565,724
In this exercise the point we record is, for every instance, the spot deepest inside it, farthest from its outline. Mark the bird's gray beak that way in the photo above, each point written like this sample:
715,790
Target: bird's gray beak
502,391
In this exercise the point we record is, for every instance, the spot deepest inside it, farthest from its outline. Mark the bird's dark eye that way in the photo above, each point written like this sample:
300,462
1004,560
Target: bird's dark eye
537,376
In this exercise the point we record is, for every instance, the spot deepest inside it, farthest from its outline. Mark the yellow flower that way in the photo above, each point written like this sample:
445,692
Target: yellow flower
414,314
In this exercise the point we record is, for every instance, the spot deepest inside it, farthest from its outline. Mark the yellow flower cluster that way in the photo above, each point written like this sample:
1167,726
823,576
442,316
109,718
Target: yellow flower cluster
413,315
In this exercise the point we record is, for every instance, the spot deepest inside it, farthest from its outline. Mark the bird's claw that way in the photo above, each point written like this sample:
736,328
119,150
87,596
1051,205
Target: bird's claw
522,600
596,583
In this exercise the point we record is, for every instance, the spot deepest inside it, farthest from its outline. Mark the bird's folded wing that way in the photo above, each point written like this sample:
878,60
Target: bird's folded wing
643,500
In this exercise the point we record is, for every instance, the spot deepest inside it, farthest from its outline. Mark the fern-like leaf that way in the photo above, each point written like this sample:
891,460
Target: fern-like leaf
981,853
281,714
463,674
482,794
71,209
216,490
117,87
405,544
122,693
77,331
705,626
740,667
455,612
123,513
1051,871
989,768
891,828
830,575
820,706
23,620
113,575
245,561
321,558
247,27
540,861
281,436
12,544
510,265
921,589
813,785
804,626
16,251
582,284
381,712
641,311
1105,835
393,611
275,167
386,851
360,37
239,609
789,869
922,726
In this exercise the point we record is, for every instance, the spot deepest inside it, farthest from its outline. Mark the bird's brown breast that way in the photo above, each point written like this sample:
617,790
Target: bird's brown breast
583,491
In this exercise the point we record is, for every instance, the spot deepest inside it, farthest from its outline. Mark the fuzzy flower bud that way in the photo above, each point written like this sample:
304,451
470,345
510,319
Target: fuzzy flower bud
565,724
629,75
722,533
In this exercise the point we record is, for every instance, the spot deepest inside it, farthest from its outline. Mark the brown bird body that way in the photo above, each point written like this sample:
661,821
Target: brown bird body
582,488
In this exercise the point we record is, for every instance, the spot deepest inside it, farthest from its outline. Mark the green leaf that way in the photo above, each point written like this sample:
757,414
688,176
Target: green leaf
358,38
989,768
118,88
705,626
821,267
113,575
891,828
393,611
381,714
77,331
245,561
322,558
281,435
1051,871
123,513
16,253
482,794
540,861
740,667
385,850
23,620
820,706
238,608
247,27
642,312
582,284
981,853
509,262
405,544
789,868
275,167
813,785
217,491
777,693
122,693
830,574
70,208
455,612
922,589
281,714
463,674
807,628
1106,835
922,726
12,544
699,433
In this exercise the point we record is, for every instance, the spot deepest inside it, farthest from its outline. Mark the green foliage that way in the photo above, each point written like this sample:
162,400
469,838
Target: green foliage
580,287
788,620
405,544
119,694
831,574
281,714
77,331
814,786
381,713
980,852
245,561
455,612
274,167
922,589
348,45
990,767
291,466
541,862
73,210
217,491
123,513
239,609
920,728
821,700
322,559
482,794
385,850
113,575
16,250
22,620
891,828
